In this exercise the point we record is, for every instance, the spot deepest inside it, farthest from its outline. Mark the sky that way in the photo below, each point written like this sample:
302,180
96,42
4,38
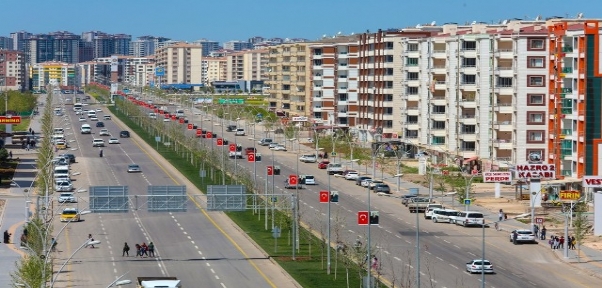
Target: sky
189,20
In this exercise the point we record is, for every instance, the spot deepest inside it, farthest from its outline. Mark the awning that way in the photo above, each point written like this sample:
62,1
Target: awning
468,160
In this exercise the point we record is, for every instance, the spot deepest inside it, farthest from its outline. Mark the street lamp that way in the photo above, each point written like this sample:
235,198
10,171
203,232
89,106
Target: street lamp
88,242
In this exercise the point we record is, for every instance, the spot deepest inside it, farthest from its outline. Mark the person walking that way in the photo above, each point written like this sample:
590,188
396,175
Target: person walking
500,215
151,249
144,249
561,242
556,242
126,250
6,237
138,250
543,232
374,263
10,154
536,230
90,239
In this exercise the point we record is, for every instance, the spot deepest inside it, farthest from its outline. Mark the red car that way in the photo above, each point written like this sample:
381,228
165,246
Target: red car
323,164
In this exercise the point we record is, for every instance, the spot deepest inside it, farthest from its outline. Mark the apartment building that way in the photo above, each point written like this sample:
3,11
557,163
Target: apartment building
60,46
214,69
182,63
289,79
13,74
208,46
237,45
52,73
247,65
334,76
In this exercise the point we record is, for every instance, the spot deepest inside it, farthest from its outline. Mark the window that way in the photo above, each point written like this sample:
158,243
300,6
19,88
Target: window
388,58
412,46
388,84
536,62
535,118
412,61
469,62
468,79
469,45
412,76
534,151
535,100
412,90
388,97
388,45
388,71
535,81
535,136
536,44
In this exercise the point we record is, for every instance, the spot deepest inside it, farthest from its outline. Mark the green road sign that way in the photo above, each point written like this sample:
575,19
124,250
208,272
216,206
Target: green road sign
333,154
231,101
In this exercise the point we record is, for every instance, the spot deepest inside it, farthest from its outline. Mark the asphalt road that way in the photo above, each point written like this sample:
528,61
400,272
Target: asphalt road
201,249
444,248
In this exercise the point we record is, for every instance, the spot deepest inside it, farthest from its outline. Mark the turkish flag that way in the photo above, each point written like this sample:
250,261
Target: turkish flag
199,132
232,147
324,197
270,170
210,135
251,157
363,218
220,141
292,179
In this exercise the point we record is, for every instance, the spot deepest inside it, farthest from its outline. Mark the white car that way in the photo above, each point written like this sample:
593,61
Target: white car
279,148
67,198
63,186
93,118
478,265
273,144
98,110
166,120
523,235
443,215
366,182
310,158
352,175
104,132
82,119
114,141
79,112
98,143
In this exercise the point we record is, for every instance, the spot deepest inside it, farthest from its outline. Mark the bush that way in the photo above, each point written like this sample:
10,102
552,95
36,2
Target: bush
3,154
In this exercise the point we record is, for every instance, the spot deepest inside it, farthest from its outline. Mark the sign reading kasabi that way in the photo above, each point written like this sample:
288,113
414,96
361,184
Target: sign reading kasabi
524,171
569,195
10,120
592,181
497,177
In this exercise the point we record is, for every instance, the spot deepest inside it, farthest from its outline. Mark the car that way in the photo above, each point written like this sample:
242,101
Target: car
307,179
323,164
98,143
83,119
113,141
250,150
106,117
290,186
382,188
79,112
240,132
124,134
334,168
443,215
272,145
406,198
61,144
308,158
374,183
279,148
100,124
104,132
478,266
469,218
351,175
98,110
134,168
265,141
93,118
360,179
523,235
231,128
71,157
366,182
67,198
63,186
70,215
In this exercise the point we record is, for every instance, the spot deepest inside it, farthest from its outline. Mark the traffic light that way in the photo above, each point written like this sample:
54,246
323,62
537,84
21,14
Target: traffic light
334,196
373,217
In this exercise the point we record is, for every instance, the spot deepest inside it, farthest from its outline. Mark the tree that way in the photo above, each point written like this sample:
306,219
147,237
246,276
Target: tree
3,155
580,229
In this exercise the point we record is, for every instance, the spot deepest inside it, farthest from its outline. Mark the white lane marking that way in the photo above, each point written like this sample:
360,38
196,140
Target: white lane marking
446,241
387,252
472,254
439,258
454,266
397,258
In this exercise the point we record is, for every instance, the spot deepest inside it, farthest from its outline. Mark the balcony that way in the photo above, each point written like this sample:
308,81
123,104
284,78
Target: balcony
317,77
470,137
504,90
440,85
469,86
468,103
567,49
505,108
439,132
412,126
413,111
503,126
413,97
439,116
316,99
504,53
439,54
468,119
439,100
468,52
506,72
504,144
343,67
342,114
439,69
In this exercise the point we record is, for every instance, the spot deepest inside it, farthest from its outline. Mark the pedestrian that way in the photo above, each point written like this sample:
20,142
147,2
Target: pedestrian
551,242
126,250
10,154
90,239
33,132
536,230
23,144
7,237
556,242
29,130
27,146
374,263
572,242
151,249
500,215
33,144
561,242
144,249
514,237
53,245
543,232
138,250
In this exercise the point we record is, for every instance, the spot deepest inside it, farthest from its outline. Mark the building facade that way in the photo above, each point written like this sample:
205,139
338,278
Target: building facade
247,65
182,63
13,73
58,46
52,73
214,69
236,45
208,46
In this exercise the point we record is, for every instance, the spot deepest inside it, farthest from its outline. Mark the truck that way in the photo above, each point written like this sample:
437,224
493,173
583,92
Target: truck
156,282
334,168
418,204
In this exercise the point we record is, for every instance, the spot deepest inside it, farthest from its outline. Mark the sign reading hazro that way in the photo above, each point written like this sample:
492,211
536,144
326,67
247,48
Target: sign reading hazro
525,171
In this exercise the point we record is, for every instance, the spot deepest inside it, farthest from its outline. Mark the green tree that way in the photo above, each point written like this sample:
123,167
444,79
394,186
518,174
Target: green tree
3,155
580,229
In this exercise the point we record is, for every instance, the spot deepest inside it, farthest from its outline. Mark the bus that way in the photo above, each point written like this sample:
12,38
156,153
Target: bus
77,107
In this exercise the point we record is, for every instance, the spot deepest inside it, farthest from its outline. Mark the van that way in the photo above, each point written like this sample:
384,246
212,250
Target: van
265,141
61,172
85,129
470,218
91,113
180,113
57,137
443,215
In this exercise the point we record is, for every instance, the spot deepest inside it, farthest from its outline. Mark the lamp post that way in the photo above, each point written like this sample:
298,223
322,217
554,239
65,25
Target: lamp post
88,242
296,222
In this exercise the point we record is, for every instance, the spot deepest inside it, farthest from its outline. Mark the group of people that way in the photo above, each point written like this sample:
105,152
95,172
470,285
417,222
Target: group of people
558,242
142,250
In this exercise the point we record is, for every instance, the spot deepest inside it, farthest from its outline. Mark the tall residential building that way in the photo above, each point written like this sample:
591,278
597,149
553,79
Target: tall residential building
20,40
247,65
214,69
6,43
289,70
182,63
237,45
208,46
58,46
145,45
105,45
334,76
13,74
53,73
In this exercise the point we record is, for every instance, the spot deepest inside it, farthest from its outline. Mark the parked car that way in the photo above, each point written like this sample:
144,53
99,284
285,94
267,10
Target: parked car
406,198
231,128
272,145
478,266
71,157
279,148
334,168
351,175
443,215
265,141
360,179
308,158
469,218
67,198
63,186
522,235
323,164
382,188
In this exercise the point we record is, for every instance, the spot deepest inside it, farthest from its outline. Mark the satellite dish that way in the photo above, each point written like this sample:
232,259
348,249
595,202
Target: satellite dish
418,26
339,33
505,22
538,18
433,23
473,23
580,15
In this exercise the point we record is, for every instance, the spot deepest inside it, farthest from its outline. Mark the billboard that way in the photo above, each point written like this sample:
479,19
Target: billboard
159,71
592,181
528,171
497,177
114,63
300,119
10,119
569,195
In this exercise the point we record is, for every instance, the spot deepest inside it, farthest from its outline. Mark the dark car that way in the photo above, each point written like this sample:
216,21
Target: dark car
231,128
406,198
359,180
382,188
71,157
323,164
250,150
100,124
124,134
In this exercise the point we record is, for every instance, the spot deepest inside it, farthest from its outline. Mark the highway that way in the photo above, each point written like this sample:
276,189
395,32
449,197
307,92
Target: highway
201,249
444,248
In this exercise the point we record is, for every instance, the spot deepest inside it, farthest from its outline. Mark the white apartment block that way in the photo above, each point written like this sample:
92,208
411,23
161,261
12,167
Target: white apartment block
247,65
182,63
214,69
